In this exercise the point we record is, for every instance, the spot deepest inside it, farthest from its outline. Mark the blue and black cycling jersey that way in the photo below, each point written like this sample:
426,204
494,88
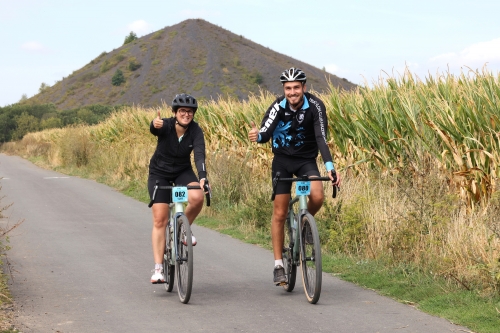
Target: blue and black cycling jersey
299,133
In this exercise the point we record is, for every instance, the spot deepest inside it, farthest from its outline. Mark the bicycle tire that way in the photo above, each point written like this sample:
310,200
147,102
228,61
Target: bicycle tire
310,258
168,269
184,262
288,263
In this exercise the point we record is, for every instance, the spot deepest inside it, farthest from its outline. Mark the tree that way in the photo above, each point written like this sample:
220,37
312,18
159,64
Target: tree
52,122
117,78
26,123
24,97
130,38
44,86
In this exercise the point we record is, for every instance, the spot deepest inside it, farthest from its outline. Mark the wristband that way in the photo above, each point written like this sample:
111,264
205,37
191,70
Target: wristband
329,166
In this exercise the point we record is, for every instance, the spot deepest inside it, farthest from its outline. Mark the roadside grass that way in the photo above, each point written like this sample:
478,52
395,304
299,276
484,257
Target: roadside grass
6,303
404,283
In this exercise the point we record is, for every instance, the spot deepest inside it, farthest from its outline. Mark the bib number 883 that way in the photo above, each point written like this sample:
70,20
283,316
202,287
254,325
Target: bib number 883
303,188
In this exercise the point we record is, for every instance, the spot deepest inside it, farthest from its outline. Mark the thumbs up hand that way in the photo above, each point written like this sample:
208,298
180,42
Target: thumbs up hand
253,134
158,122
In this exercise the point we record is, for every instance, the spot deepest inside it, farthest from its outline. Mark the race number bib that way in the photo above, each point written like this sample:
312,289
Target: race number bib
302,188
180,194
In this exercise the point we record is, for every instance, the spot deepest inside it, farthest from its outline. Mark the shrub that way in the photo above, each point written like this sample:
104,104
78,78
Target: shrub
118,78
133,64
43,87
157,35
130,38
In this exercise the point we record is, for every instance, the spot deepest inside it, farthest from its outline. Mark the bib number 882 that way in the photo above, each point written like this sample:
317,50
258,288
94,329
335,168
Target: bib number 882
179,194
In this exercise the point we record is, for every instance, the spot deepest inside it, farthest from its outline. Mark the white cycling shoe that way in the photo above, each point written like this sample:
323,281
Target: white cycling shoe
193,240
158,276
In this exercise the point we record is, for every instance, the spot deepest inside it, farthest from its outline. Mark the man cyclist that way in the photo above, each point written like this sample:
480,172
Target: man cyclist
177,136
297,124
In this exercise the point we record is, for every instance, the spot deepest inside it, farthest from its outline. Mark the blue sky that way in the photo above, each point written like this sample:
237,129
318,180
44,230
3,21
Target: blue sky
361,40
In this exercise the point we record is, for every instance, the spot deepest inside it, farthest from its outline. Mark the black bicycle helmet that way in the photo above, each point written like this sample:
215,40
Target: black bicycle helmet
293,74
184,100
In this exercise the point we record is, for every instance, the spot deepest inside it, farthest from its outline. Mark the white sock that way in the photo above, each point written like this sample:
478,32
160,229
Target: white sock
158,266
278,262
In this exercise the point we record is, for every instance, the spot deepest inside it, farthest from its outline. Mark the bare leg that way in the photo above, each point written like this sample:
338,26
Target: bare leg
160,219
280,209
316,197
195,203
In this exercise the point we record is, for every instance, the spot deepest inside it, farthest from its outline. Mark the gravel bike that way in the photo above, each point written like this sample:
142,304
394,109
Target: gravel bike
301,244
178,255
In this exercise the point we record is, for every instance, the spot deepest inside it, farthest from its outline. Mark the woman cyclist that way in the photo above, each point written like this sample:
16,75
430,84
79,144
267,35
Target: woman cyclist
177,136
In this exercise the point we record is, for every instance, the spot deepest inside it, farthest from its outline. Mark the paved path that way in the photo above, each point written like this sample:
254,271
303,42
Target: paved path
82,260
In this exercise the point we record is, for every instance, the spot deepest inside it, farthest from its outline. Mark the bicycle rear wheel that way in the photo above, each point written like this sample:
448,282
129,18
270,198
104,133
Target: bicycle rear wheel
168,269
310,258
288,264
184,261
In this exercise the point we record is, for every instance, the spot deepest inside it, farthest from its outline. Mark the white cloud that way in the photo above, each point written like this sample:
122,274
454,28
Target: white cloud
475,56
332,68
140,27
33,47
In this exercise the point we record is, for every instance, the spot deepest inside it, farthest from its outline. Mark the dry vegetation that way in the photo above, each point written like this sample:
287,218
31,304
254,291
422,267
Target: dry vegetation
419,162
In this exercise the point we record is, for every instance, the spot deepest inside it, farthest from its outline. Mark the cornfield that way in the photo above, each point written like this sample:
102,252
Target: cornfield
422,144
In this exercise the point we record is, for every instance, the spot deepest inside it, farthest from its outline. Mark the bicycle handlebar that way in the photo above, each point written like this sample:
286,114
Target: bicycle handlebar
277,179
206,188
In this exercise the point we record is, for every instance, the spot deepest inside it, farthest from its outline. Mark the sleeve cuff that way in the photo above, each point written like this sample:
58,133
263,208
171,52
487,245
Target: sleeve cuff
329,166
259,138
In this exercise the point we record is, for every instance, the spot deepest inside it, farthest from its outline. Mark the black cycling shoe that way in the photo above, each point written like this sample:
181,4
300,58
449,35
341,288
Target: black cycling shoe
279,275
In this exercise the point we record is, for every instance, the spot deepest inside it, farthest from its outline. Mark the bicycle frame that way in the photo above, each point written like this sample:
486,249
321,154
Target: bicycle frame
176,209
302,210
294,220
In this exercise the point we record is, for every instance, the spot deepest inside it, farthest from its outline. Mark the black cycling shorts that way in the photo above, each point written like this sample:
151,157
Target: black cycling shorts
165,196
289,166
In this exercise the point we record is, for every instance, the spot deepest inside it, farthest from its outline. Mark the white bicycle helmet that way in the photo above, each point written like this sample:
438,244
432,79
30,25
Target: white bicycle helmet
293,74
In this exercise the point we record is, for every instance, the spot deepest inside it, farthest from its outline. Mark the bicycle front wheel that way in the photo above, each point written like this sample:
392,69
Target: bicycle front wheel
184,260
168,269
288,263
310,258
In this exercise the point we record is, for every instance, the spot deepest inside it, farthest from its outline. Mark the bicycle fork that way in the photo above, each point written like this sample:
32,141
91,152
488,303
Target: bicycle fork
174,207
297,243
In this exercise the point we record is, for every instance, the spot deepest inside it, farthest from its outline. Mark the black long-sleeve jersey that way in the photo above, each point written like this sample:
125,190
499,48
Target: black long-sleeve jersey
173,156
298,133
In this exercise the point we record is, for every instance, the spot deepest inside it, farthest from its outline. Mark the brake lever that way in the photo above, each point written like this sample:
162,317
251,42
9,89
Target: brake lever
335,187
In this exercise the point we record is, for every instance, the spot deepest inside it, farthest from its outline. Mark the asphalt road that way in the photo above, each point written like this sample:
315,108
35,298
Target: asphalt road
82,261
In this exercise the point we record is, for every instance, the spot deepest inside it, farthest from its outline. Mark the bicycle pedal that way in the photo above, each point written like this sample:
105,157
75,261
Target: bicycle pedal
281,284
159,282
